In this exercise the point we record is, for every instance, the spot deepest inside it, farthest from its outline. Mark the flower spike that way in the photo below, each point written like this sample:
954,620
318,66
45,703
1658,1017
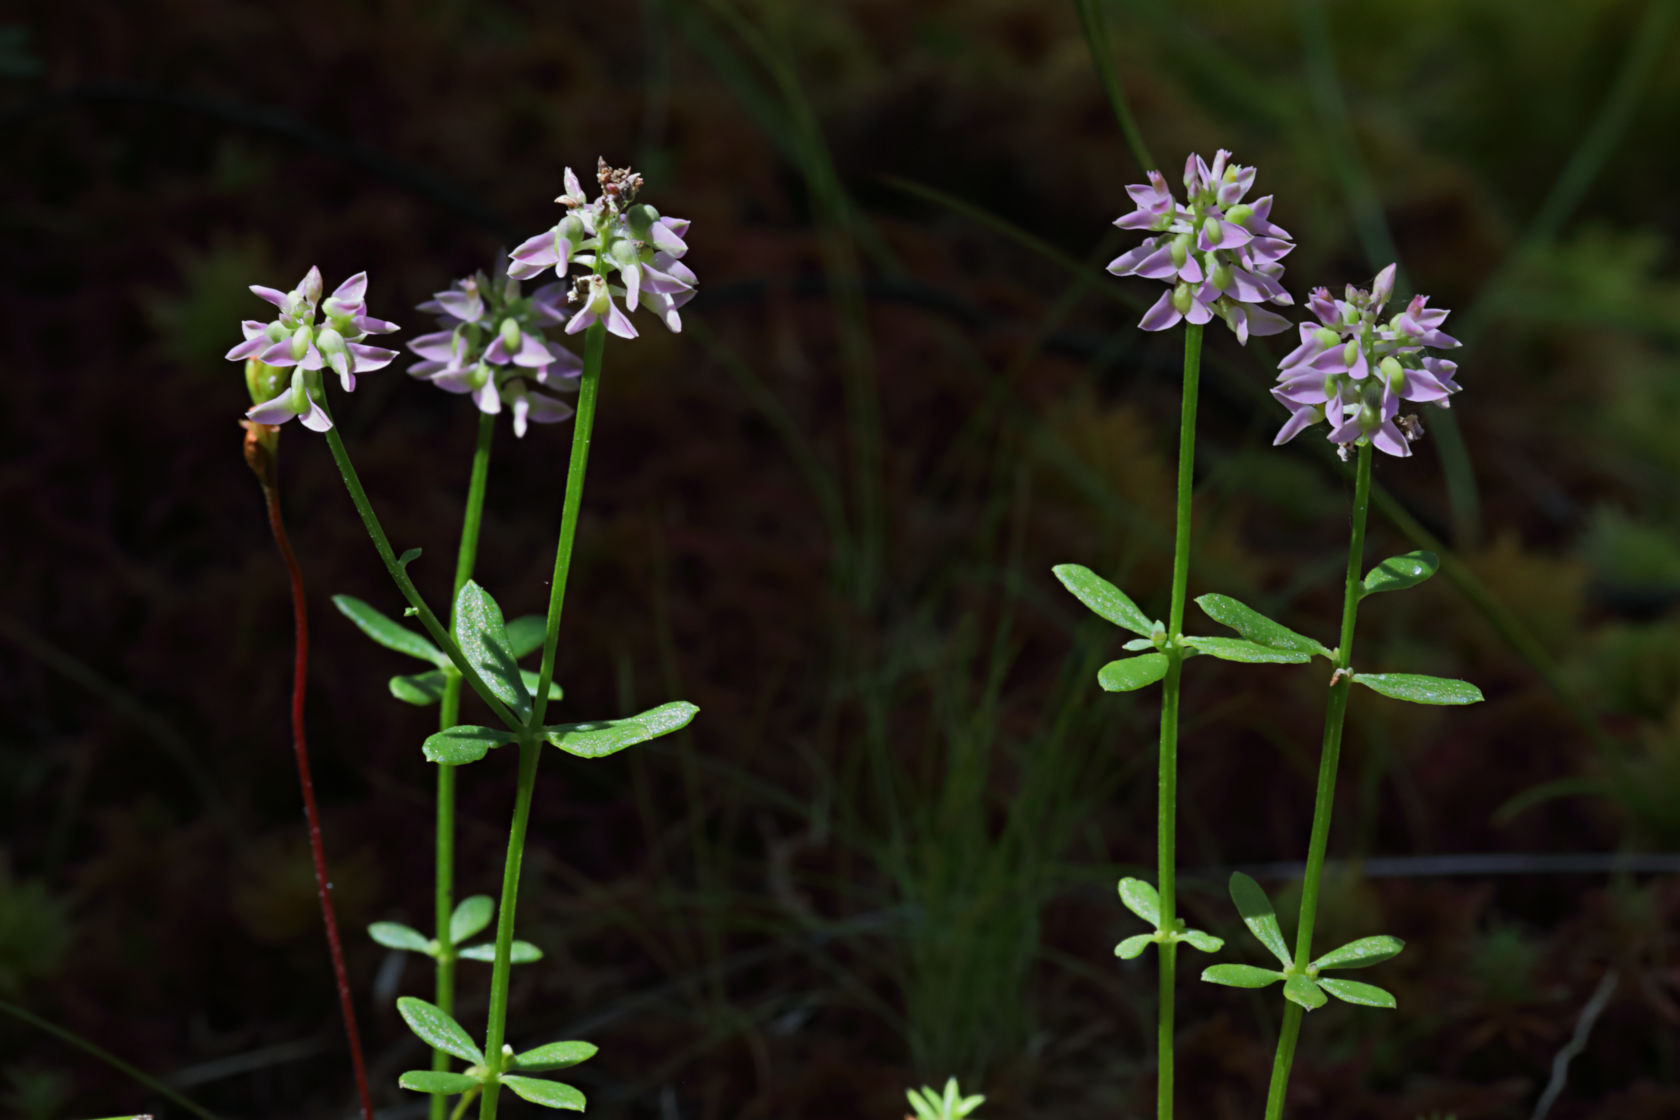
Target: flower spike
1220,256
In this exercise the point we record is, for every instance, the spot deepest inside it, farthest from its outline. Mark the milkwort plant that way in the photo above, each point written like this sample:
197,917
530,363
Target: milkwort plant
1352,371
493,344
1219,256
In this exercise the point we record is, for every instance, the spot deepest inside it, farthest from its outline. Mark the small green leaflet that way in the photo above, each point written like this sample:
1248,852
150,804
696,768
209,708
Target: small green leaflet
1258,915
1256,627
1400,572
549,1094
436,1081
1134,946
483,639
599,738
1352,991
1301,989
1103,597
472,915
520,952
395,935
426,688
409,556
463,743
556,1055
1141,899
434,1026
526,633
1253,653
1363,953
1240,975
1198,939
387,631
1418,689
1130,673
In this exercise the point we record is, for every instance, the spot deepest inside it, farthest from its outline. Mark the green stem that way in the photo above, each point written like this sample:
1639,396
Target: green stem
1334,716
449,711
530,752
531,742
1166,837
594,341
370,522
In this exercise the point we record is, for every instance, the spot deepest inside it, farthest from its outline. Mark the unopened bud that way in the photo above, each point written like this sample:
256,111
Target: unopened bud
1394,372
1212,230
1240,214
510,335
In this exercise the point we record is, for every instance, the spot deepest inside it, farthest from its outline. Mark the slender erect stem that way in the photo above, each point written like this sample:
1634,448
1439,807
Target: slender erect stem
1166,838
531,742
382,545
448,712
262,462
1334,715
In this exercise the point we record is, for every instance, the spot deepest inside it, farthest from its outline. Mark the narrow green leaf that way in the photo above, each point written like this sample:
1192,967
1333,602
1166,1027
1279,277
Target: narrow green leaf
436,1081
1134,946
1103,597
1366,995
421,689
1258,915
1400,572
924,1102
1363,953
395,935
549,1094
387,631
1131,673
484,642
1240,975
556,1055
528,678
1134,645
1198,939
409,556
1301,989
1255,626
464,743
1252,653
435,1027
1141,899
1418,689
472,915
599,738
526,634
520,952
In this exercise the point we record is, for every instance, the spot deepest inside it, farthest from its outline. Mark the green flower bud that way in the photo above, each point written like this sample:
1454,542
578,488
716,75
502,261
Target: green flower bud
480,375
1394,372
640,219
1240,214
1326,338
1350,353
275,332
1181,298
1180,250
300,342
1369,417
1212,230
510,335
624,254
1221,275
331,345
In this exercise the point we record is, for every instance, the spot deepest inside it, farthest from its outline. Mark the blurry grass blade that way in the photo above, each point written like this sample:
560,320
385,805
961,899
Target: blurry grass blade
110,1059
1094,25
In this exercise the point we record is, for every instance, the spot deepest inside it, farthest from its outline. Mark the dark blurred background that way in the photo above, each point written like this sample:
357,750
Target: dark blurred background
826,513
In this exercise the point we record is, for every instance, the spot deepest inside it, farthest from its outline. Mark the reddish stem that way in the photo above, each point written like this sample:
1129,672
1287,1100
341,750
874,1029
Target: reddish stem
259,454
